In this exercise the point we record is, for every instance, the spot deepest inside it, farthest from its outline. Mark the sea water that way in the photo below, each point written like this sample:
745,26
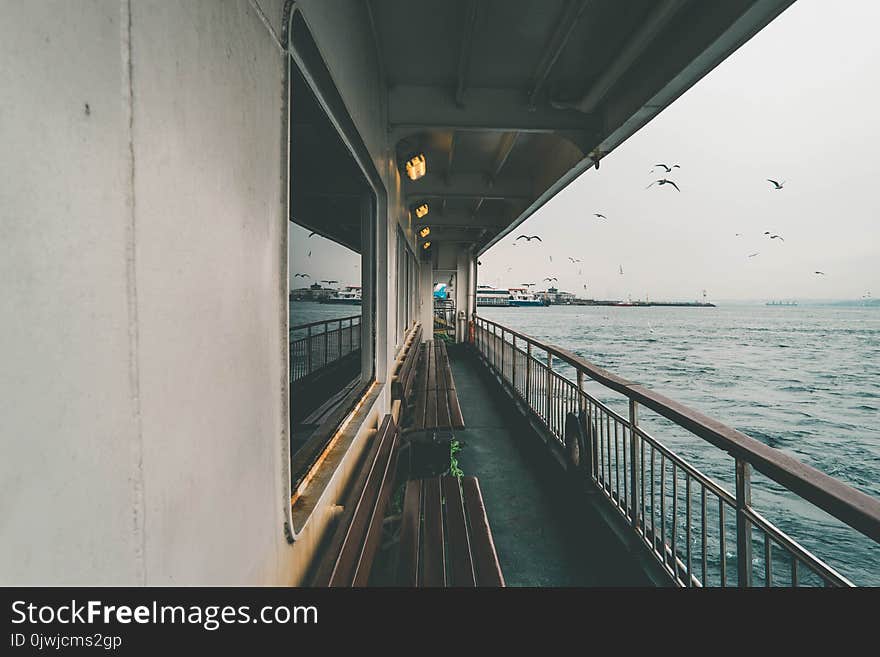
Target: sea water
804,380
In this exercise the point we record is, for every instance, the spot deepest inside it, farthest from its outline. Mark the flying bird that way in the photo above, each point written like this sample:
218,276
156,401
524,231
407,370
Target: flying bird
600,215
821,273
310,254
573,260
738,235
553,278
752,255
551,258
777,185
774,237
621,270
663,181
528,238
330,282
668,168
303,275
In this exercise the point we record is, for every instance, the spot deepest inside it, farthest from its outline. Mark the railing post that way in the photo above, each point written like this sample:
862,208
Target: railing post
513,363
309,351
326,345
586,428
549,370
529,373
339,341
502,353
743,525
634,468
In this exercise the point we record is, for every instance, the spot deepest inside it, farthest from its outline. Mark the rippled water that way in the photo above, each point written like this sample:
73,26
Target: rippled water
805,380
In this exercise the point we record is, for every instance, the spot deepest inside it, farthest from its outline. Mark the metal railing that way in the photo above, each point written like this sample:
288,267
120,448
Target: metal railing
701,533
318,344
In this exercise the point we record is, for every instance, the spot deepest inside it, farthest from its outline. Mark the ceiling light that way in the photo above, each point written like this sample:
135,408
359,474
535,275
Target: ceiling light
415,166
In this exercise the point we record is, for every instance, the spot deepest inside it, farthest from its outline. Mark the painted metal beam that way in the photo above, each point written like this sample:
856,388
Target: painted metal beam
467,46
568,20
468,185
413,109
648,31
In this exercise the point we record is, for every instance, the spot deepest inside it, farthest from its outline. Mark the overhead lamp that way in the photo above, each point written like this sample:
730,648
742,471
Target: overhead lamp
415,166
421,210
426,245
424,232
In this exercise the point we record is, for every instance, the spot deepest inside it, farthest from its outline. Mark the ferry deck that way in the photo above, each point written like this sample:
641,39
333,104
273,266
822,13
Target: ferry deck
164,420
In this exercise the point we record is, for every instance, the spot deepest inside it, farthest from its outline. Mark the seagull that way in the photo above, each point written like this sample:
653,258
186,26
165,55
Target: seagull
528,238
663,181
551,258
303,275
573,260
600,215
668,168
621,270
821,273
774,237
552,279
777,185
738,235
752,255
330,282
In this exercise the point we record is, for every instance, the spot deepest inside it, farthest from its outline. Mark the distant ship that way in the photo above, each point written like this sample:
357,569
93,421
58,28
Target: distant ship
351,295
514,296
782,303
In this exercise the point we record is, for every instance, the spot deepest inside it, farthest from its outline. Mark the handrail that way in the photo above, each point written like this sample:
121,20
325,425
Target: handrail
312,350
853,507
324,321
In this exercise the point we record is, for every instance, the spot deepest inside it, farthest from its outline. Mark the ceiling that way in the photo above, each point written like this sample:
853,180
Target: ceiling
510,100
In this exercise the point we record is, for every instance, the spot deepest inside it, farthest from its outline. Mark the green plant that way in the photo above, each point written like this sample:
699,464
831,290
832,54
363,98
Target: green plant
454,469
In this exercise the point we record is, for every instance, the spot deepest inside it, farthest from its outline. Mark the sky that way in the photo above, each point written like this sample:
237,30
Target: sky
799,102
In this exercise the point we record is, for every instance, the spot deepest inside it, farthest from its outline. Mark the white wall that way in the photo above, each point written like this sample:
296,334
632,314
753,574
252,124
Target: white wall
143,287
144,296
68,374
210,251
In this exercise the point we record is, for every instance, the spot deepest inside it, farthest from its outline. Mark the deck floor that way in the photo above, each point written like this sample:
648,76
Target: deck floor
542,535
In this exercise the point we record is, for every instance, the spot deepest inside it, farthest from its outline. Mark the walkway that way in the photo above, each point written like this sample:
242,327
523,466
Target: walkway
542,538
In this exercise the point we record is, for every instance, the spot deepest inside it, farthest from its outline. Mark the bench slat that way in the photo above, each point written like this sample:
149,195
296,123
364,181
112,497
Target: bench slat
486,566
359,505
432,366
373,539
408,564
434,573
443,419
460,564
421,392
456,419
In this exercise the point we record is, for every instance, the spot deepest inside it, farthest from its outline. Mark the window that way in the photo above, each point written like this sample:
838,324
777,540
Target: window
331,256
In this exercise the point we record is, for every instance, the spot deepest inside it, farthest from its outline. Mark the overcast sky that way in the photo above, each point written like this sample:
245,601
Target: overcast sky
798,102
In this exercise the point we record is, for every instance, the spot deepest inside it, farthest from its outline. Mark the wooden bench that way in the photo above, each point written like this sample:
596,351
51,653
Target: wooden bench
355,540
403,376
436,401
446,548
